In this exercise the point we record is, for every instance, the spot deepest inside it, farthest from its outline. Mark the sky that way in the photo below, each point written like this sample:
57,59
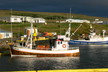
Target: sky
87,7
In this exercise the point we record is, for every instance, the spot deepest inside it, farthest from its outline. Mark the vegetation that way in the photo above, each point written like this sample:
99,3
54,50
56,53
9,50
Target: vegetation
48,15
52,26
18,29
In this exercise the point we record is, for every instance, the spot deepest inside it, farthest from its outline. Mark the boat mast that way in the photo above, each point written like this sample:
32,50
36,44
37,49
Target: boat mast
31,35
67,34
103,33
29,39
70,13
11,23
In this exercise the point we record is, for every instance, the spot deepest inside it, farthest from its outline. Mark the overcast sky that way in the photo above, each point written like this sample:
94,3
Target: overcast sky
87,7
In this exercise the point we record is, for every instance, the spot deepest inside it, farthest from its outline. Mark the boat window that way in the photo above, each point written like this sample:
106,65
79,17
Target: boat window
61,42
58,43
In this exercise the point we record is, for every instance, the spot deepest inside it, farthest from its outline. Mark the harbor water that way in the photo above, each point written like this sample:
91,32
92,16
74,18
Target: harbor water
91,56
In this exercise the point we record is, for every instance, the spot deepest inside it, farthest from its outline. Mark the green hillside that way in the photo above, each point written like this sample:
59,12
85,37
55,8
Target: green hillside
48,15
52,26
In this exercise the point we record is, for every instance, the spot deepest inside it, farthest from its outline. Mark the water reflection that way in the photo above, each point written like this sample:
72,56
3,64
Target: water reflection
91,56
46,63
94,56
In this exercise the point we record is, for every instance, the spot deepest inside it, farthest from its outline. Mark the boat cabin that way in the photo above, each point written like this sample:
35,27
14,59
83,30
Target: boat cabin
60,45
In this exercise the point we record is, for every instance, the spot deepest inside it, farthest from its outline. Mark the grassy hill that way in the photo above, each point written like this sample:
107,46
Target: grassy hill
18,28
48,15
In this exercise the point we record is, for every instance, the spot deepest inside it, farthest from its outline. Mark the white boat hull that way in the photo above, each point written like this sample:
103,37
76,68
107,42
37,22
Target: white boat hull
25,52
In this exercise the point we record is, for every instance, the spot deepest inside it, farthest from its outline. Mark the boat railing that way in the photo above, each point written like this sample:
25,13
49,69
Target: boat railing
43,49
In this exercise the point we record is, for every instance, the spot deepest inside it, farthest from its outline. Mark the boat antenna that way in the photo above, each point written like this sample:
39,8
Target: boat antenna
11,23
31,34
70,13
60,25
70,16
103,31
67,34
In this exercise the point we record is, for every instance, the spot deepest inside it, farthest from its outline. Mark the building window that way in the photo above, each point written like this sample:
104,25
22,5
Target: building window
7,35
15,19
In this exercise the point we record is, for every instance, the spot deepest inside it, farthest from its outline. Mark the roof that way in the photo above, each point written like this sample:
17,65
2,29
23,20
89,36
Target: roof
77,19
58,40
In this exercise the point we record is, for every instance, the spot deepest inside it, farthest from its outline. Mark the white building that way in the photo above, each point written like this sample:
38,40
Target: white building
77,21
39,20
29,19
16,19
35,20
13,19
5,34
60,21
97,21
105,22
22,19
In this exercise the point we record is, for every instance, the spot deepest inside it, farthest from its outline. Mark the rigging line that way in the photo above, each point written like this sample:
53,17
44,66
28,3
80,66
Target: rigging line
76,30
70,13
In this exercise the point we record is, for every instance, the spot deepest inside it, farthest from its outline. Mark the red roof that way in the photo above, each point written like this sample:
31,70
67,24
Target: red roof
58,40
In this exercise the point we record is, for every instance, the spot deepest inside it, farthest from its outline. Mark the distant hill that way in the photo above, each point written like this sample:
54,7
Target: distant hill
48,15
52,26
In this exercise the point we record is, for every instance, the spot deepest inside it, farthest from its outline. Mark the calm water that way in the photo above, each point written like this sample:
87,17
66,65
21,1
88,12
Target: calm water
90,57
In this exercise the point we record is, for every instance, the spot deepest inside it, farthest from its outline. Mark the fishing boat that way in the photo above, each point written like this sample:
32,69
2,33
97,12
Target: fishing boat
59,48
91,39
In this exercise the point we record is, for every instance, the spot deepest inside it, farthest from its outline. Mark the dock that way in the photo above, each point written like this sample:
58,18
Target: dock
68,70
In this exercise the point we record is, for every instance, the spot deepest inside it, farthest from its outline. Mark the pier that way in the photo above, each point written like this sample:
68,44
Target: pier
70,70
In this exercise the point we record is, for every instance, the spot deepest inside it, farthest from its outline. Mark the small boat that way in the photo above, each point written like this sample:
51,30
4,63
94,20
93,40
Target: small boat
60,48
91,39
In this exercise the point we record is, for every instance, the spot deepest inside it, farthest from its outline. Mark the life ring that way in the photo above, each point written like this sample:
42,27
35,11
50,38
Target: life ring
64,45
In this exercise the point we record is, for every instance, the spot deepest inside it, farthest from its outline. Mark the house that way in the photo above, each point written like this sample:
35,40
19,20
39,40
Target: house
97,21
105,22
60,21
29,19
16,19
39,20
35,20
13,18
77,21
5,34
22,19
